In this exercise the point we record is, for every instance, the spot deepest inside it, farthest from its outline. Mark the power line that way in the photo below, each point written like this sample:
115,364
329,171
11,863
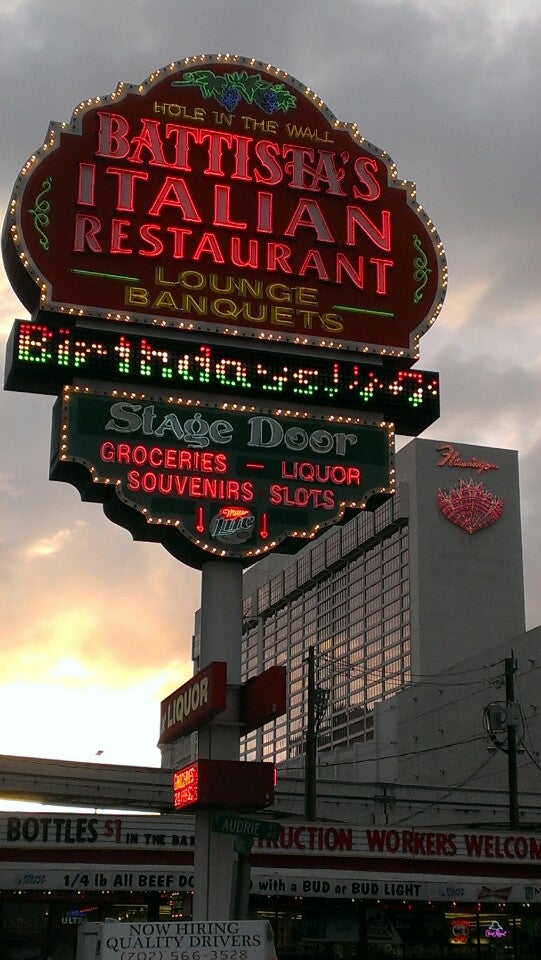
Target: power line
445,796
411,753
468,672
528,754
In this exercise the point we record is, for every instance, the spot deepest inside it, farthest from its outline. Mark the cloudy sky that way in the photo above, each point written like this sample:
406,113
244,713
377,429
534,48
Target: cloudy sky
96,629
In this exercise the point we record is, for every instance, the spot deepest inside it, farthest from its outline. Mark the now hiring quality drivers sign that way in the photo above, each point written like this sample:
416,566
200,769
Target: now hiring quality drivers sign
185,940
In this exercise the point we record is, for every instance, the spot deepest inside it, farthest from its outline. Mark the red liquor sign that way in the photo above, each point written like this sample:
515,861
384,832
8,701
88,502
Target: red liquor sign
222,195
194,703
215,480
264,698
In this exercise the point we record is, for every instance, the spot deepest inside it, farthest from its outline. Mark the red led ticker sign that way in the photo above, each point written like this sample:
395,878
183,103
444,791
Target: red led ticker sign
186,786
222,195
233,784
194,703
218,481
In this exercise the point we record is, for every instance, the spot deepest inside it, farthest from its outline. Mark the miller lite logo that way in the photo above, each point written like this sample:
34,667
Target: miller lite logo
232,525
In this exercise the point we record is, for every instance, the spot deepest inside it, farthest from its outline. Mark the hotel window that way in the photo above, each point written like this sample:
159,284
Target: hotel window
318,558
332,548
290,578
276,589
263,598
303,569
349,537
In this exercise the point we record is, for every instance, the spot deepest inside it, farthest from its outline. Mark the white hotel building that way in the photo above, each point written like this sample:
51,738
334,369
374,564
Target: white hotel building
395,600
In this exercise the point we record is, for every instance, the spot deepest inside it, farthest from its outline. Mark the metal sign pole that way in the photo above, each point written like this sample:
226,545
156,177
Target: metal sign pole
240,894
221,631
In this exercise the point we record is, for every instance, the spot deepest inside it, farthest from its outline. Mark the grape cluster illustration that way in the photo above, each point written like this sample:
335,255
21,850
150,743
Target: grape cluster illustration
229,98
267,100
229,89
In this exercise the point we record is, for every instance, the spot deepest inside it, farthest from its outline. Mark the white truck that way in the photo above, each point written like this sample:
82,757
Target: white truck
176,940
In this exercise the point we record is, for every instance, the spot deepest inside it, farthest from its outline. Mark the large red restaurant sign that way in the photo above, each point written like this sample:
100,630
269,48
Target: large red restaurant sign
222,195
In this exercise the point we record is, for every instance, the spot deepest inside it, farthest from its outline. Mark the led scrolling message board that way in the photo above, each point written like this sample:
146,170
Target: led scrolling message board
42,357
222,195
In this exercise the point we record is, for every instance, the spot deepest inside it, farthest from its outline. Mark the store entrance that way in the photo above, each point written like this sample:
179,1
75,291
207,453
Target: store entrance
362,930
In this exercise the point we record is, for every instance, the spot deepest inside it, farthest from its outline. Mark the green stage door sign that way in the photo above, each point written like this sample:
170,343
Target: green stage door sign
218,480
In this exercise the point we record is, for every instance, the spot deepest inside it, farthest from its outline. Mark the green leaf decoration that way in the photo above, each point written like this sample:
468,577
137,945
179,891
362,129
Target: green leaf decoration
40,213
229,89
421,269
246,85
207,81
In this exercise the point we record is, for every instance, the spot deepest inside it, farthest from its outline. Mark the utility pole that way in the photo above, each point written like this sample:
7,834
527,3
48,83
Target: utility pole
310,755
317,700
501,721
511,720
